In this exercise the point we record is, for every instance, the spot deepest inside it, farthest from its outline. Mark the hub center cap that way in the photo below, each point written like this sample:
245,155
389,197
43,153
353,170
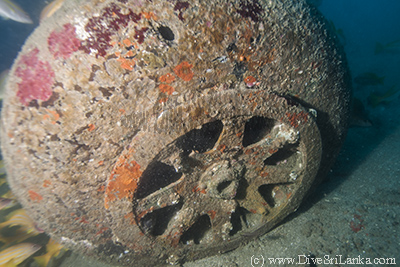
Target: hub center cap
222,179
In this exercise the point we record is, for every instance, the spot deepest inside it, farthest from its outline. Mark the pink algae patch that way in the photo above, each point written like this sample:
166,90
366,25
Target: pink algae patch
102,27
37,78
64,42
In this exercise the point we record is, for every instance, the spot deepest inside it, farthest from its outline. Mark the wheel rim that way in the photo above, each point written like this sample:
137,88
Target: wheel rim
213,173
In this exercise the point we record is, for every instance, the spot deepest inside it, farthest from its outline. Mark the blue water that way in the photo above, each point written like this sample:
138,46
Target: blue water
13,34
365,22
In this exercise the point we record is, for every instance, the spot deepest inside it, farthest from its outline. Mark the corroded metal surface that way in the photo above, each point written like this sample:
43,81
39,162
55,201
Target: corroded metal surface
164,131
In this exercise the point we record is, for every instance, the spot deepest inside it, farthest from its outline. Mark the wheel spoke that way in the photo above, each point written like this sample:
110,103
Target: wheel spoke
227,145
220,217
180,223
172,157
267,159
280,136
253,201
232,134
159,199
272,175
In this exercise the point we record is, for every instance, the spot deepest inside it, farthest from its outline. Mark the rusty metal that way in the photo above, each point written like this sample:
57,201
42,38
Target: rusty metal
164,131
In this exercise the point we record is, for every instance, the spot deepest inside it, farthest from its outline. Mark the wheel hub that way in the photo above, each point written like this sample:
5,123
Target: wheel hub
221,180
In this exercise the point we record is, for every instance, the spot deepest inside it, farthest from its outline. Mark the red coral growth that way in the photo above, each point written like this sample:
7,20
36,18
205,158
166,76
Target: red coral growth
184,71
297,118
212,214
34,196
167,78
37,78
102,230
356,226
165,88
250,81
63,43
83,220
123,180
221,148
91,127
163,100
46,183
127,64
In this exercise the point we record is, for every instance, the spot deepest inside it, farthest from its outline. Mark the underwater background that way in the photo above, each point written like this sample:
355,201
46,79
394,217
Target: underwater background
356,211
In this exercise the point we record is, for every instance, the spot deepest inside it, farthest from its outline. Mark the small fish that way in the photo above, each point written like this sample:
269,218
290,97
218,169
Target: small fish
6,203
375,99
16,254
20,217
3,81
9,193
14,236
50,9
11,10
52,250
359,116
388,48
369,78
